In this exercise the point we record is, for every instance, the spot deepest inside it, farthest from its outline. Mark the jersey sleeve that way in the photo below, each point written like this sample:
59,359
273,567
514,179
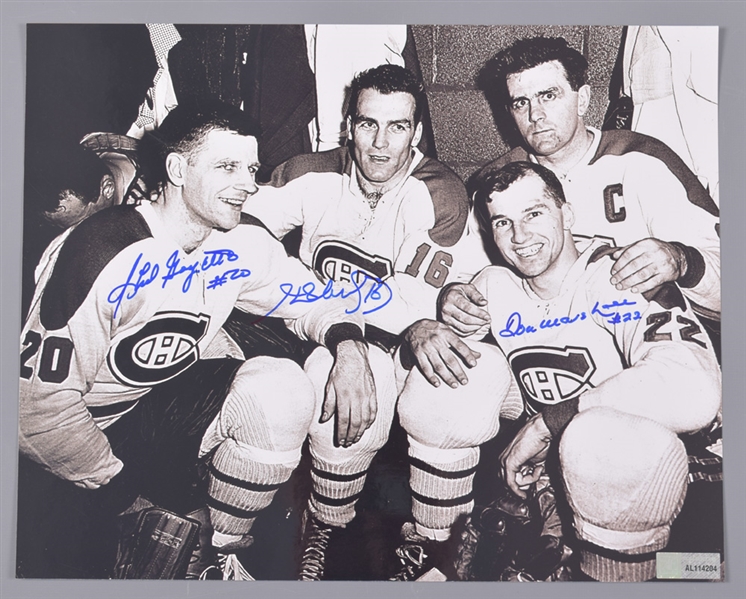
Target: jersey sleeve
284,287
672,217
487,284
671,374
59,363
280,203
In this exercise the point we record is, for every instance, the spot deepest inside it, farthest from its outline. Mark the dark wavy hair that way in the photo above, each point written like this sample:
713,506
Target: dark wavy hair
499,180
528,53
184,130
387,79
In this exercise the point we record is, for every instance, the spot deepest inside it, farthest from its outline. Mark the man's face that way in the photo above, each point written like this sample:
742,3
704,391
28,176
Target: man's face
218,177
547,112
383,133
528,226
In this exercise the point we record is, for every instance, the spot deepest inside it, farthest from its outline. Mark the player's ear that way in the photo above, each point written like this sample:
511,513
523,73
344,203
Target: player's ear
107,188
350,130
568,216
417,134
584,99
176,168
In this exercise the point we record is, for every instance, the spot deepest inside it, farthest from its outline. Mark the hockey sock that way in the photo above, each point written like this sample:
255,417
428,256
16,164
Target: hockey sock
336,489
441,482
241,485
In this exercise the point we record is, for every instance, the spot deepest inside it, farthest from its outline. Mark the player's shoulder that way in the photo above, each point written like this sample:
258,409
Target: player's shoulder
620,143
449,201
250,237
337,161
496,276
251,224
89,248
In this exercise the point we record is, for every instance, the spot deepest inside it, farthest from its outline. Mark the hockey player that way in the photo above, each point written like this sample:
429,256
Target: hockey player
613,374
115,396
375,212
624,186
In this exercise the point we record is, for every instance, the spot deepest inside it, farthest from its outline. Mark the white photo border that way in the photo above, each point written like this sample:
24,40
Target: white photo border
730,16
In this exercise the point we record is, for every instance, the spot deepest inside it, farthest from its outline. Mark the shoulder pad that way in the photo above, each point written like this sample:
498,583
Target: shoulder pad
450,202
334,161
621,142
85,253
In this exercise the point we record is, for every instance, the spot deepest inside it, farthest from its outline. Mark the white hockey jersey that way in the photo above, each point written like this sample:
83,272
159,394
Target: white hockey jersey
645,354
419,237
628,187
121,308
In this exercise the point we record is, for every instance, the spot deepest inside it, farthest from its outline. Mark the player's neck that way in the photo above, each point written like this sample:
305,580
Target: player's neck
548,284
570,155
185,230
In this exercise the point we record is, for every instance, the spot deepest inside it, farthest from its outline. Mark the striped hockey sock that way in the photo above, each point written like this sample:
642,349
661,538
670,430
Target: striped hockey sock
336,489
441,482
243,481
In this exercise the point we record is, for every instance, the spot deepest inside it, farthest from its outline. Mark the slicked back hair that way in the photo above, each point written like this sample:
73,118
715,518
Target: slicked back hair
184,130
528,53
387,79
499,180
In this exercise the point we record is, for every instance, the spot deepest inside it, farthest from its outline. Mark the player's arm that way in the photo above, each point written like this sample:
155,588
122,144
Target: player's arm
684,242
279,204
282,286
673,376
438,350
58,367
463,308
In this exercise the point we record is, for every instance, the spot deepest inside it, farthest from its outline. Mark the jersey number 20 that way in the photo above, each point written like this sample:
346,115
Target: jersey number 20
56,355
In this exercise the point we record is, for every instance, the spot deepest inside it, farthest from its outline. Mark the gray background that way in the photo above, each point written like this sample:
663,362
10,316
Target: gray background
451,87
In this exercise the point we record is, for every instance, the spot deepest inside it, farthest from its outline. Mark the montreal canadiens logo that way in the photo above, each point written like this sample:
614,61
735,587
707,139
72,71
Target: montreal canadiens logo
341,262
550,375
162,349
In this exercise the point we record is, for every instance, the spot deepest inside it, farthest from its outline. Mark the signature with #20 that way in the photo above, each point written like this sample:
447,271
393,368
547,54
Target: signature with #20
371,292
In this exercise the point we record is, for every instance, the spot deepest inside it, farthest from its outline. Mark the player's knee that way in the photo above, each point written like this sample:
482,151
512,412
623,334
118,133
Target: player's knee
466,416
271,403
625,477
319,364
318,367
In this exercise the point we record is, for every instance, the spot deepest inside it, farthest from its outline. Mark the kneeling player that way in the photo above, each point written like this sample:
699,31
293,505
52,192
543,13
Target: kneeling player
116,398
615,374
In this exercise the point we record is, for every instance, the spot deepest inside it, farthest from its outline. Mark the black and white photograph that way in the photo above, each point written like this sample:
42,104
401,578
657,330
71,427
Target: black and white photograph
355,302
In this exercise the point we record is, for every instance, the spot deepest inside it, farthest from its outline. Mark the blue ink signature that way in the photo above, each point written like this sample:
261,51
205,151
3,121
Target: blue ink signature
228,275
615,316
212,258
143,275
514,326
378,293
